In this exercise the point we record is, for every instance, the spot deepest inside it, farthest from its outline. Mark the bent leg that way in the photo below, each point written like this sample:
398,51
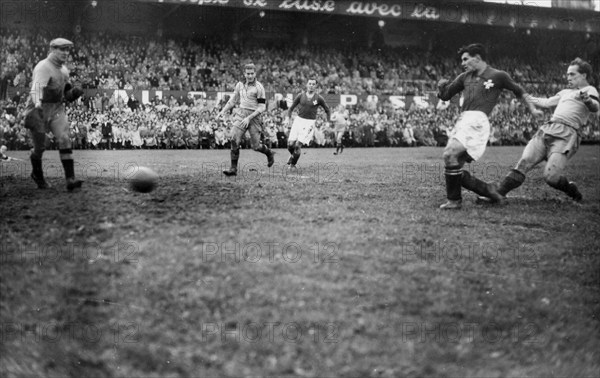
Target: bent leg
60,128
297,152
533,154
554,176
235,140
257,144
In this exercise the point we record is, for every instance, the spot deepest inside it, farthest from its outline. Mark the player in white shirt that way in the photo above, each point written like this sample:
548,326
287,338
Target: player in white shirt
558,140
340,119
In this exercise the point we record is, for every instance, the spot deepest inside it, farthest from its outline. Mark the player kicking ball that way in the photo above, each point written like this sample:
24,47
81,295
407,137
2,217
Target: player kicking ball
303,126
558,140
481,86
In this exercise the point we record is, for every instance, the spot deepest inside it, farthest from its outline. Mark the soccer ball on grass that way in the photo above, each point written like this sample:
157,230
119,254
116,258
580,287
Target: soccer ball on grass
144,180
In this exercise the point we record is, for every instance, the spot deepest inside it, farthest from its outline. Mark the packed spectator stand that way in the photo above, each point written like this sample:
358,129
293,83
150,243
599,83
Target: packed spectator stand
102,63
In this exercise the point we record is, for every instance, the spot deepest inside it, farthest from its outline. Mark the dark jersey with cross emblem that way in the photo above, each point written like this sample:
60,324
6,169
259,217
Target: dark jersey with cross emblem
480,92
308,105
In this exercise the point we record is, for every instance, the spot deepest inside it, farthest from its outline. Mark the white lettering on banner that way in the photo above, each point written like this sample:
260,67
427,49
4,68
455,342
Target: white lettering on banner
197,94
422,11
348,100
202,2
255,3
398,101
359,7
314,5
121,93
421,102
372,98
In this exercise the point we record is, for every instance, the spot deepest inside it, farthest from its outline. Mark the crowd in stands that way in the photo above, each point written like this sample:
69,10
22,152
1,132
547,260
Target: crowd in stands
107,62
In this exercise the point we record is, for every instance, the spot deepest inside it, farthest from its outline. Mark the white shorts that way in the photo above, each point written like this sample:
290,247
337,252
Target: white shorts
472,130
302,130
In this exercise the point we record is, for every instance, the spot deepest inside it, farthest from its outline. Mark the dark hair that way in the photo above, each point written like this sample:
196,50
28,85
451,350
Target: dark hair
583,67
312,77
473,49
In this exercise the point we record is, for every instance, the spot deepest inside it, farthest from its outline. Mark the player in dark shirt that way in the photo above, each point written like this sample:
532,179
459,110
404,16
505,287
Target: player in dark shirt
303,126
481,86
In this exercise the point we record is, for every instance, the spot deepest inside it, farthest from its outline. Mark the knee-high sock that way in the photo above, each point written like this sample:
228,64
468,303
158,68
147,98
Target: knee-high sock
263,149
66,158
513,180
474,184
235,156
297,152
453,182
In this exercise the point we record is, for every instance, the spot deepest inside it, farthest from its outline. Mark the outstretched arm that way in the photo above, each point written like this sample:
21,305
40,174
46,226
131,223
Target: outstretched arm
541,102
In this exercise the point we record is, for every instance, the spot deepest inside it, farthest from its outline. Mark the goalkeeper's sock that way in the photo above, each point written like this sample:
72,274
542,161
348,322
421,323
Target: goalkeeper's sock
66,158
36,167
69,168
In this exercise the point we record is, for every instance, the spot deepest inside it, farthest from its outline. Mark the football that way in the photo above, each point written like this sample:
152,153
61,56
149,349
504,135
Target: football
144,180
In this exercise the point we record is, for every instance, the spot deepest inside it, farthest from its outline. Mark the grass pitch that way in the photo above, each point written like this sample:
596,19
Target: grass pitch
345,267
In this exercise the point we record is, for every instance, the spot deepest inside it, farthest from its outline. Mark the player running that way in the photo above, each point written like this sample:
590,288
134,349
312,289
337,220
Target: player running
302,130
481,86
252,99
558,140
340,123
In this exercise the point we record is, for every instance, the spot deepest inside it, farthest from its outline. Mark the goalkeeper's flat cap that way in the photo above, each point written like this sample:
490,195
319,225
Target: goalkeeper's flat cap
60,42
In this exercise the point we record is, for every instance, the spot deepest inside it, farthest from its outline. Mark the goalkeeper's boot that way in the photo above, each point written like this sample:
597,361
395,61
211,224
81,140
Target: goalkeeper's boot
40,182
73,184
230,172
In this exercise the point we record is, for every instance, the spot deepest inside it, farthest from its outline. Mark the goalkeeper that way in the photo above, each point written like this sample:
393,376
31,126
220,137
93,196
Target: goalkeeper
45,111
